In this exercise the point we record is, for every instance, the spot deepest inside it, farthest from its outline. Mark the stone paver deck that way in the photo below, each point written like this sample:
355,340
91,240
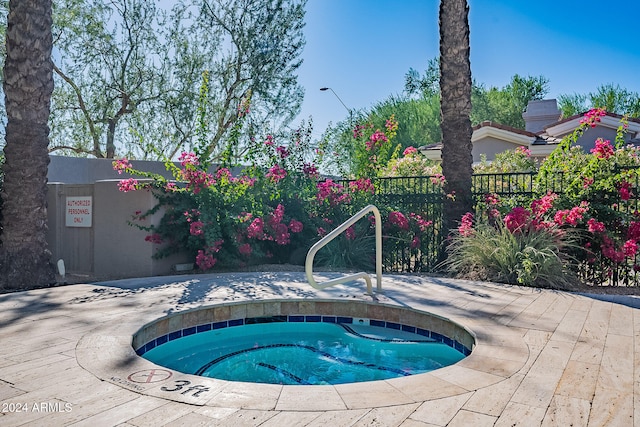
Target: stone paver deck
543,358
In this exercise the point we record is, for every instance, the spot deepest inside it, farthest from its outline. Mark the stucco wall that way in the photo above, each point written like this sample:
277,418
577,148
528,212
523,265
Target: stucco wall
77,170
110,248
490,147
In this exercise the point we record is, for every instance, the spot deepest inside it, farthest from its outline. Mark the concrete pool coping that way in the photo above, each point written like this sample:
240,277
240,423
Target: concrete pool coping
121,366
541,357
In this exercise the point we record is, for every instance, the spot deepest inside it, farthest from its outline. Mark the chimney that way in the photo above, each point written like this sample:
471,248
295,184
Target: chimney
539,114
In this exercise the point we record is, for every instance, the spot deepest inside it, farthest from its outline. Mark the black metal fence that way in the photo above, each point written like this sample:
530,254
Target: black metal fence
423,195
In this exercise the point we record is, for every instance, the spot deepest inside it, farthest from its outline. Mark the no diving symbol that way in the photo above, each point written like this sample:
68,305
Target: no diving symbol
150,376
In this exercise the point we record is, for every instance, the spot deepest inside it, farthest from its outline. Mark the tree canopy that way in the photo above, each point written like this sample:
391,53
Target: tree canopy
129,74
612,98
417,111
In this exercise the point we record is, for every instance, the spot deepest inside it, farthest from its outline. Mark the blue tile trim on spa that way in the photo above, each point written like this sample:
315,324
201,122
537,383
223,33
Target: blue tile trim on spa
313,318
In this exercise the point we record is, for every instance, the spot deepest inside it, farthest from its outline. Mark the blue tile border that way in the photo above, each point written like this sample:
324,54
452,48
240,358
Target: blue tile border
313,318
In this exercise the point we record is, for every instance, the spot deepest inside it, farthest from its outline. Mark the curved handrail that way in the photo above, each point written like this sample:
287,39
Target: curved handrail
335,233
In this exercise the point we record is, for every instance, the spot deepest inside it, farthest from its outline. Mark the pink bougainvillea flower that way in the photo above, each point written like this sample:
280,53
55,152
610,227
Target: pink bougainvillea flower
269,140
571,216
332,192
171,186
351,233
276,216
624,189
602,149
398,218
363,185
195,228
466,225
188,159
542,205
256,229
276,173
245,216
437,179
282,152
205,261
415,242
154,238
633,232
223,173
295,226
422,223
126,185
248,181
310,170
376,140
391,124
630,248
595,226
121,165
282,234
592,117
491,199
245,249
409,151
517,219
197,179
358,130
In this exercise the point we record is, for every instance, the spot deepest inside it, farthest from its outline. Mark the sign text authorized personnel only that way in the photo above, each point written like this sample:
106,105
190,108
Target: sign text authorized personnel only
79,210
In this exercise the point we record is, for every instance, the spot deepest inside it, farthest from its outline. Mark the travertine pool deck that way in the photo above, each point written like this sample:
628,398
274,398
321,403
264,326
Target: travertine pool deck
541,358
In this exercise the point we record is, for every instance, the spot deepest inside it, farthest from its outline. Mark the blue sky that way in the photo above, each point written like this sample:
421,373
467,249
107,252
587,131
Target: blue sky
363,48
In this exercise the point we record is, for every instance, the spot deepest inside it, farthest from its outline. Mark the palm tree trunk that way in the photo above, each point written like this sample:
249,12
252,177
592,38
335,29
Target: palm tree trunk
25,261
455,108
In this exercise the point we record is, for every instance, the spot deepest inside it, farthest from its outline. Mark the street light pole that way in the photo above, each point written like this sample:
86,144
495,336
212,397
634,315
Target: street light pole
343,104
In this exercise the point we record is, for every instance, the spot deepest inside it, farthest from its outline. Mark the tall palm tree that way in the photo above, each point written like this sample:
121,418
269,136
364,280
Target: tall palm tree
25,261
455,108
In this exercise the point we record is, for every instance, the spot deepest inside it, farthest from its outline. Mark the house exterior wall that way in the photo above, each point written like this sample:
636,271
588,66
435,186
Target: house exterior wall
588,139
490,147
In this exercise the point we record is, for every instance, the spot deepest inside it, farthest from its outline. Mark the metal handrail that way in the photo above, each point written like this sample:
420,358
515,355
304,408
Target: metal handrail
335,233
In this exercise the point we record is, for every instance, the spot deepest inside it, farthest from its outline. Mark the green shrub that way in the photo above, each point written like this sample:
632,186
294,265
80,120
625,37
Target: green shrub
494,253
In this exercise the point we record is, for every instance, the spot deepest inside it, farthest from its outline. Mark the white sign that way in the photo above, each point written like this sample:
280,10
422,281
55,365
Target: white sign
79,211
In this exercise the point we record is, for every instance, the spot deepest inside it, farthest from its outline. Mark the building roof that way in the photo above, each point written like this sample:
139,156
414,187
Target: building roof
543,142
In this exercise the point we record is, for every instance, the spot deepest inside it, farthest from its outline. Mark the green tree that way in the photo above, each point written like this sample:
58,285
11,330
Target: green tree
113,73
426,85
128,73
455,107
266,42
612,98
25,261
418,119
506,105
500,105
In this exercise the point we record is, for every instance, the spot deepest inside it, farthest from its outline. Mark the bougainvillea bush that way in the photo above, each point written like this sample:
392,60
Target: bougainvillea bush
606,177
591,229
230,220
273,210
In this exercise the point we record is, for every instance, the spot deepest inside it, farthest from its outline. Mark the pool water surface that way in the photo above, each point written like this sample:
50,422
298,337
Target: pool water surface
294,353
